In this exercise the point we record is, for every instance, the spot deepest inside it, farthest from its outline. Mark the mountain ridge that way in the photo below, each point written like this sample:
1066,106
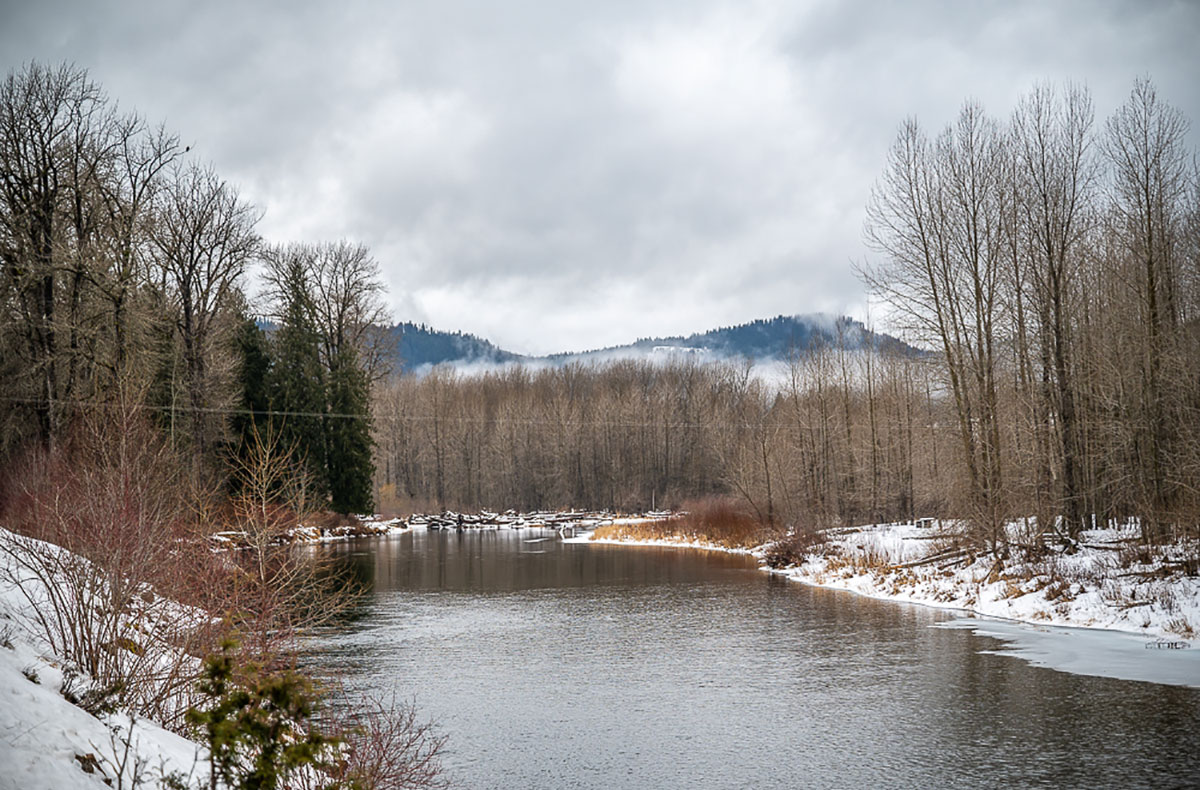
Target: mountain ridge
419,345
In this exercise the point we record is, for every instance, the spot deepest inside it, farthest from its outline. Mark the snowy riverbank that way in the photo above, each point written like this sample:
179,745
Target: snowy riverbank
47,740
563,521
1102,583
1100,610
1095,586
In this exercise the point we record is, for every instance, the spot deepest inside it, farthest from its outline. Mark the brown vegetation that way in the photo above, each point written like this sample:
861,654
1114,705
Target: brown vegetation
721,521
137,596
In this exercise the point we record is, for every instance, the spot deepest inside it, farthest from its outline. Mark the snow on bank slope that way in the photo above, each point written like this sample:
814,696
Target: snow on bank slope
1088,588
46,741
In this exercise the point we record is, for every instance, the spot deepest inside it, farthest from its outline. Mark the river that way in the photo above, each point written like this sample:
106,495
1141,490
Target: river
565,665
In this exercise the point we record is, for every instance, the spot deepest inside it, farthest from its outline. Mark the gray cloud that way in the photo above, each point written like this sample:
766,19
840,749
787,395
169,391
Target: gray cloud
561,176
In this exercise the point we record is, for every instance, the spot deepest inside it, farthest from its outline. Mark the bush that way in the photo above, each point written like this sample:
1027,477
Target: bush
109,552
724,521
103,555
386,748
257,727
794,548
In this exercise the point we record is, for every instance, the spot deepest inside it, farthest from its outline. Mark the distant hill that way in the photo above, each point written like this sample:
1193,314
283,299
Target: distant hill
766,338
420,345
771,338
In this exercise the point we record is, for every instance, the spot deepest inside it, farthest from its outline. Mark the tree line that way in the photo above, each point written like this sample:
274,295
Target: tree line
1055,266
843,436
1050,263
123,280
1051,266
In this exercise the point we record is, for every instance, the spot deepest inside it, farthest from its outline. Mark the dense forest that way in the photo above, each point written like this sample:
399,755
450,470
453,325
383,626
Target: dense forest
125,297
836,444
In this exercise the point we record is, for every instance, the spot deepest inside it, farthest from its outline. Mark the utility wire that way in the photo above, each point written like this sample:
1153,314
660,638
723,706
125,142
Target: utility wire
393,418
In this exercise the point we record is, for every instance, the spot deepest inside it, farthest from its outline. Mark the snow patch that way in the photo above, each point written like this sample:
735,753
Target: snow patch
48,743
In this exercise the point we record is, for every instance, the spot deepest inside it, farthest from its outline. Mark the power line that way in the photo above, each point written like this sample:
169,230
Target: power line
393,418
202,409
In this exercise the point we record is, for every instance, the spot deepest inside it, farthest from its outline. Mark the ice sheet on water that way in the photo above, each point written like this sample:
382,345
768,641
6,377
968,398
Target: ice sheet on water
1088,651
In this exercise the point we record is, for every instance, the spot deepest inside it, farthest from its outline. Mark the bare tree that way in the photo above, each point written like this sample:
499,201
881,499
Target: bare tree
937,216
347,298
127,195
49,122
1055,180
1145,146
204,235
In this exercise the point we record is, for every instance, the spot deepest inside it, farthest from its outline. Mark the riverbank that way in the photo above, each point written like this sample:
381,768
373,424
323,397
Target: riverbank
47,738
377,526
1107,580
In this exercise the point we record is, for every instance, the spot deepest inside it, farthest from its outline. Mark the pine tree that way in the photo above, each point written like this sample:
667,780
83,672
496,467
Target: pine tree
298,378
349,460
253,382
258,726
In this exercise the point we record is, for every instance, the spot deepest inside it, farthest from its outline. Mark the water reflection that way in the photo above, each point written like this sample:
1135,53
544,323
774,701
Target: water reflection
564,665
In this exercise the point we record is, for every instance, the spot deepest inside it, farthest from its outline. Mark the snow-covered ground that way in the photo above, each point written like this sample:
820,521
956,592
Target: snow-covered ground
1089,587
48,742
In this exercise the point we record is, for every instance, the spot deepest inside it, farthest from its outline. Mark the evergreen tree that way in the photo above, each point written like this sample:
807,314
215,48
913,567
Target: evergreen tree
253,355
298,377
349,462
258,726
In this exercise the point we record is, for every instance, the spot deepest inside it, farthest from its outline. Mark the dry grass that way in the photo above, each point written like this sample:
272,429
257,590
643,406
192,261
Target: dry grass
721,521
660,529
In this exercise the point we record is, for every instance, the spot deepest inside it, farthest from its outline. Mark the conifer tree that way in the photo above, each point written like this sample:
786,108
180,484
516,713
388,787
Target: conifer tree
349,450
298,377
253,382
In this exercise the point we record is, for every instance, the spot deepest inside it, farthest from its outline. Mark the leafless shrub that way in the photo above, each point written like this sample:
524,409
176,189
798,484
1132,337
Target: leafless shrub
101,554
130,770
385,747
287,589
795,547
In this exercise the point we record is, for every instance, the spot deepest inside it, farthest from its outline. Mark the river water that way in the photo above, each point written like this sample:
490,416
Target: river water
565,665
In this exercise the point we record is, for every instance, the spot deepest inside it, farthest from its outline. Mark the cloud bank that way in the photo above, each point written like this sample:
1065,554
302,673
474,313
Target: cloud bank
558,176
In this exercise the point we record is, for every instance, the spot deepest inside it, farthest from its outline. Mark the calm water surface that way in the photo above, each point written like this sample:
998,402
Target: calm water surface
555,665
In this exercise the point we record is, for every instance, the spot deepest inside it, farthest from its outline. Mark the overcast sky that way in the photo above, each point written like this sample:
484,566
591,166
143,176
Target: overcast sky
559,176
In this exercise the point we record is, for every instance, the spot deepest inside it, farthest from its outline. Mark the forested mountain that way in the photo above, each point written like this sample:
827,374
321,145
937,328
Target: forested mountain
771,338
765,338
419,345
